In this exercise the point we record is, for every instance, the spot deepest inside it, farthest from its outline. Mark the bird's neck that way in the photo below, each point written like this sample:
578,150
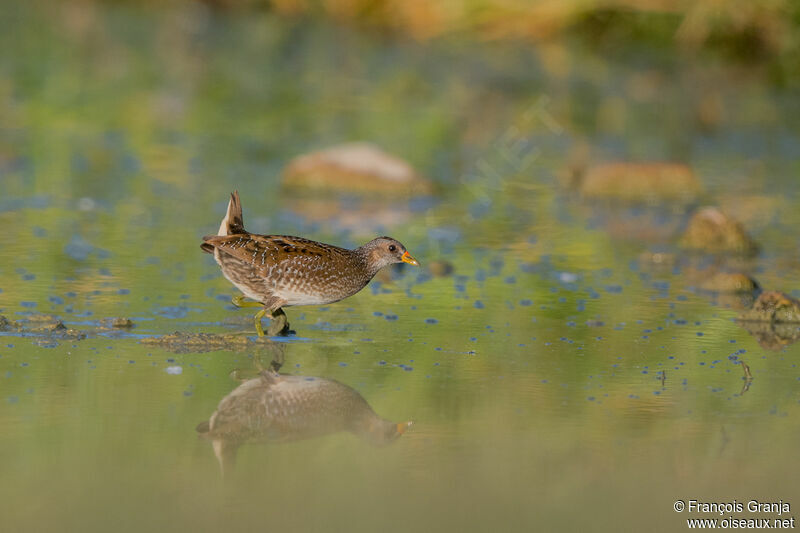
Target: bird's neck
366,259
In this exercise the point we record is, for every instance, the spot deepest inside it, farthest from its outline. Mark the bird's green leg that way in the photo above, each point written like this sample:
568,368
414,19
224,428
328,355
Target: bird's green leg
238,301
258,318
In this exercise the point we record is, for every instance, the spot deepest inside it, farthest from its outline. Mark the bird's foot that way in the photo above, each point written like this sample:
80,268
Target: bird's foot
279,324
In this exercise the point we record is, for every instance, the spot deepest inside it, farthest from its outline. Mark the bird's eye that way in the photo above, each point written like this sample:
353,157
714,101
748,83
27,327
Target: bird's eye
392,247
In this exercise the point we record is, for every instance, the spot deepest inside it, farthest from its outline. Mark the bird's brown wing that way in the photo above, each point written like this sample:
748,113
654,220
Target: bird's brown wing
263,251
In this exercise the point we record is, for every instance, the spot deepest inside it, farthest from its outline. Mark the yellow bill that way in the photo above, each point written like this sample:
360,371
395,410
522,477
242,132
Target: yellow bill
406,258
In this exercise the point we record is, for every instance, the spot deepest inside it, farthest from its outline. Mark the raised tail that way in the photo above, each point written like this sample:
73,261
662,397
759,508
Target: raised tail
233,222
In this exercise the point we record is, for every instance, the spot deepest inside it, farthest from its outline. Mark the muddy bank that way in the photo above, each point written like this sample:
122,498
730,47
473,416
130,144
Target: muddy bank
42,325
181,342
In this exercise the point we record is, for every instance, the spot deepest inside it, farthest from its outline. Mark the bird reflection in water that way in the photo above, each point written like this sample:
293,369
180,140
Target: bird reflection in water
281,408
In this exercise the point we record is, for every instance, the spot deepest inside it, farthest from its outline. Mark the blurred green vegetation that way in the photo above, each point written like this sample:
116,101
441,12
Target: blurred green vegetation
763,33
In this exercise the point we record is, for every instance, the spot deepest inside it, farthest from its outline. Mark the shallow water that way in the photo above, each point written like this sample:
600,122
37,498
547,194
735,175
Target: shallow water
555,380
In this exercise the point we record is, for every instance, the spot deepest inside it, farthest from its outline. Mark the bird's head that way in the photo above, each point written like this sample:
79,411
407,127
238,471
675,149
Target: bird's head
385,251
